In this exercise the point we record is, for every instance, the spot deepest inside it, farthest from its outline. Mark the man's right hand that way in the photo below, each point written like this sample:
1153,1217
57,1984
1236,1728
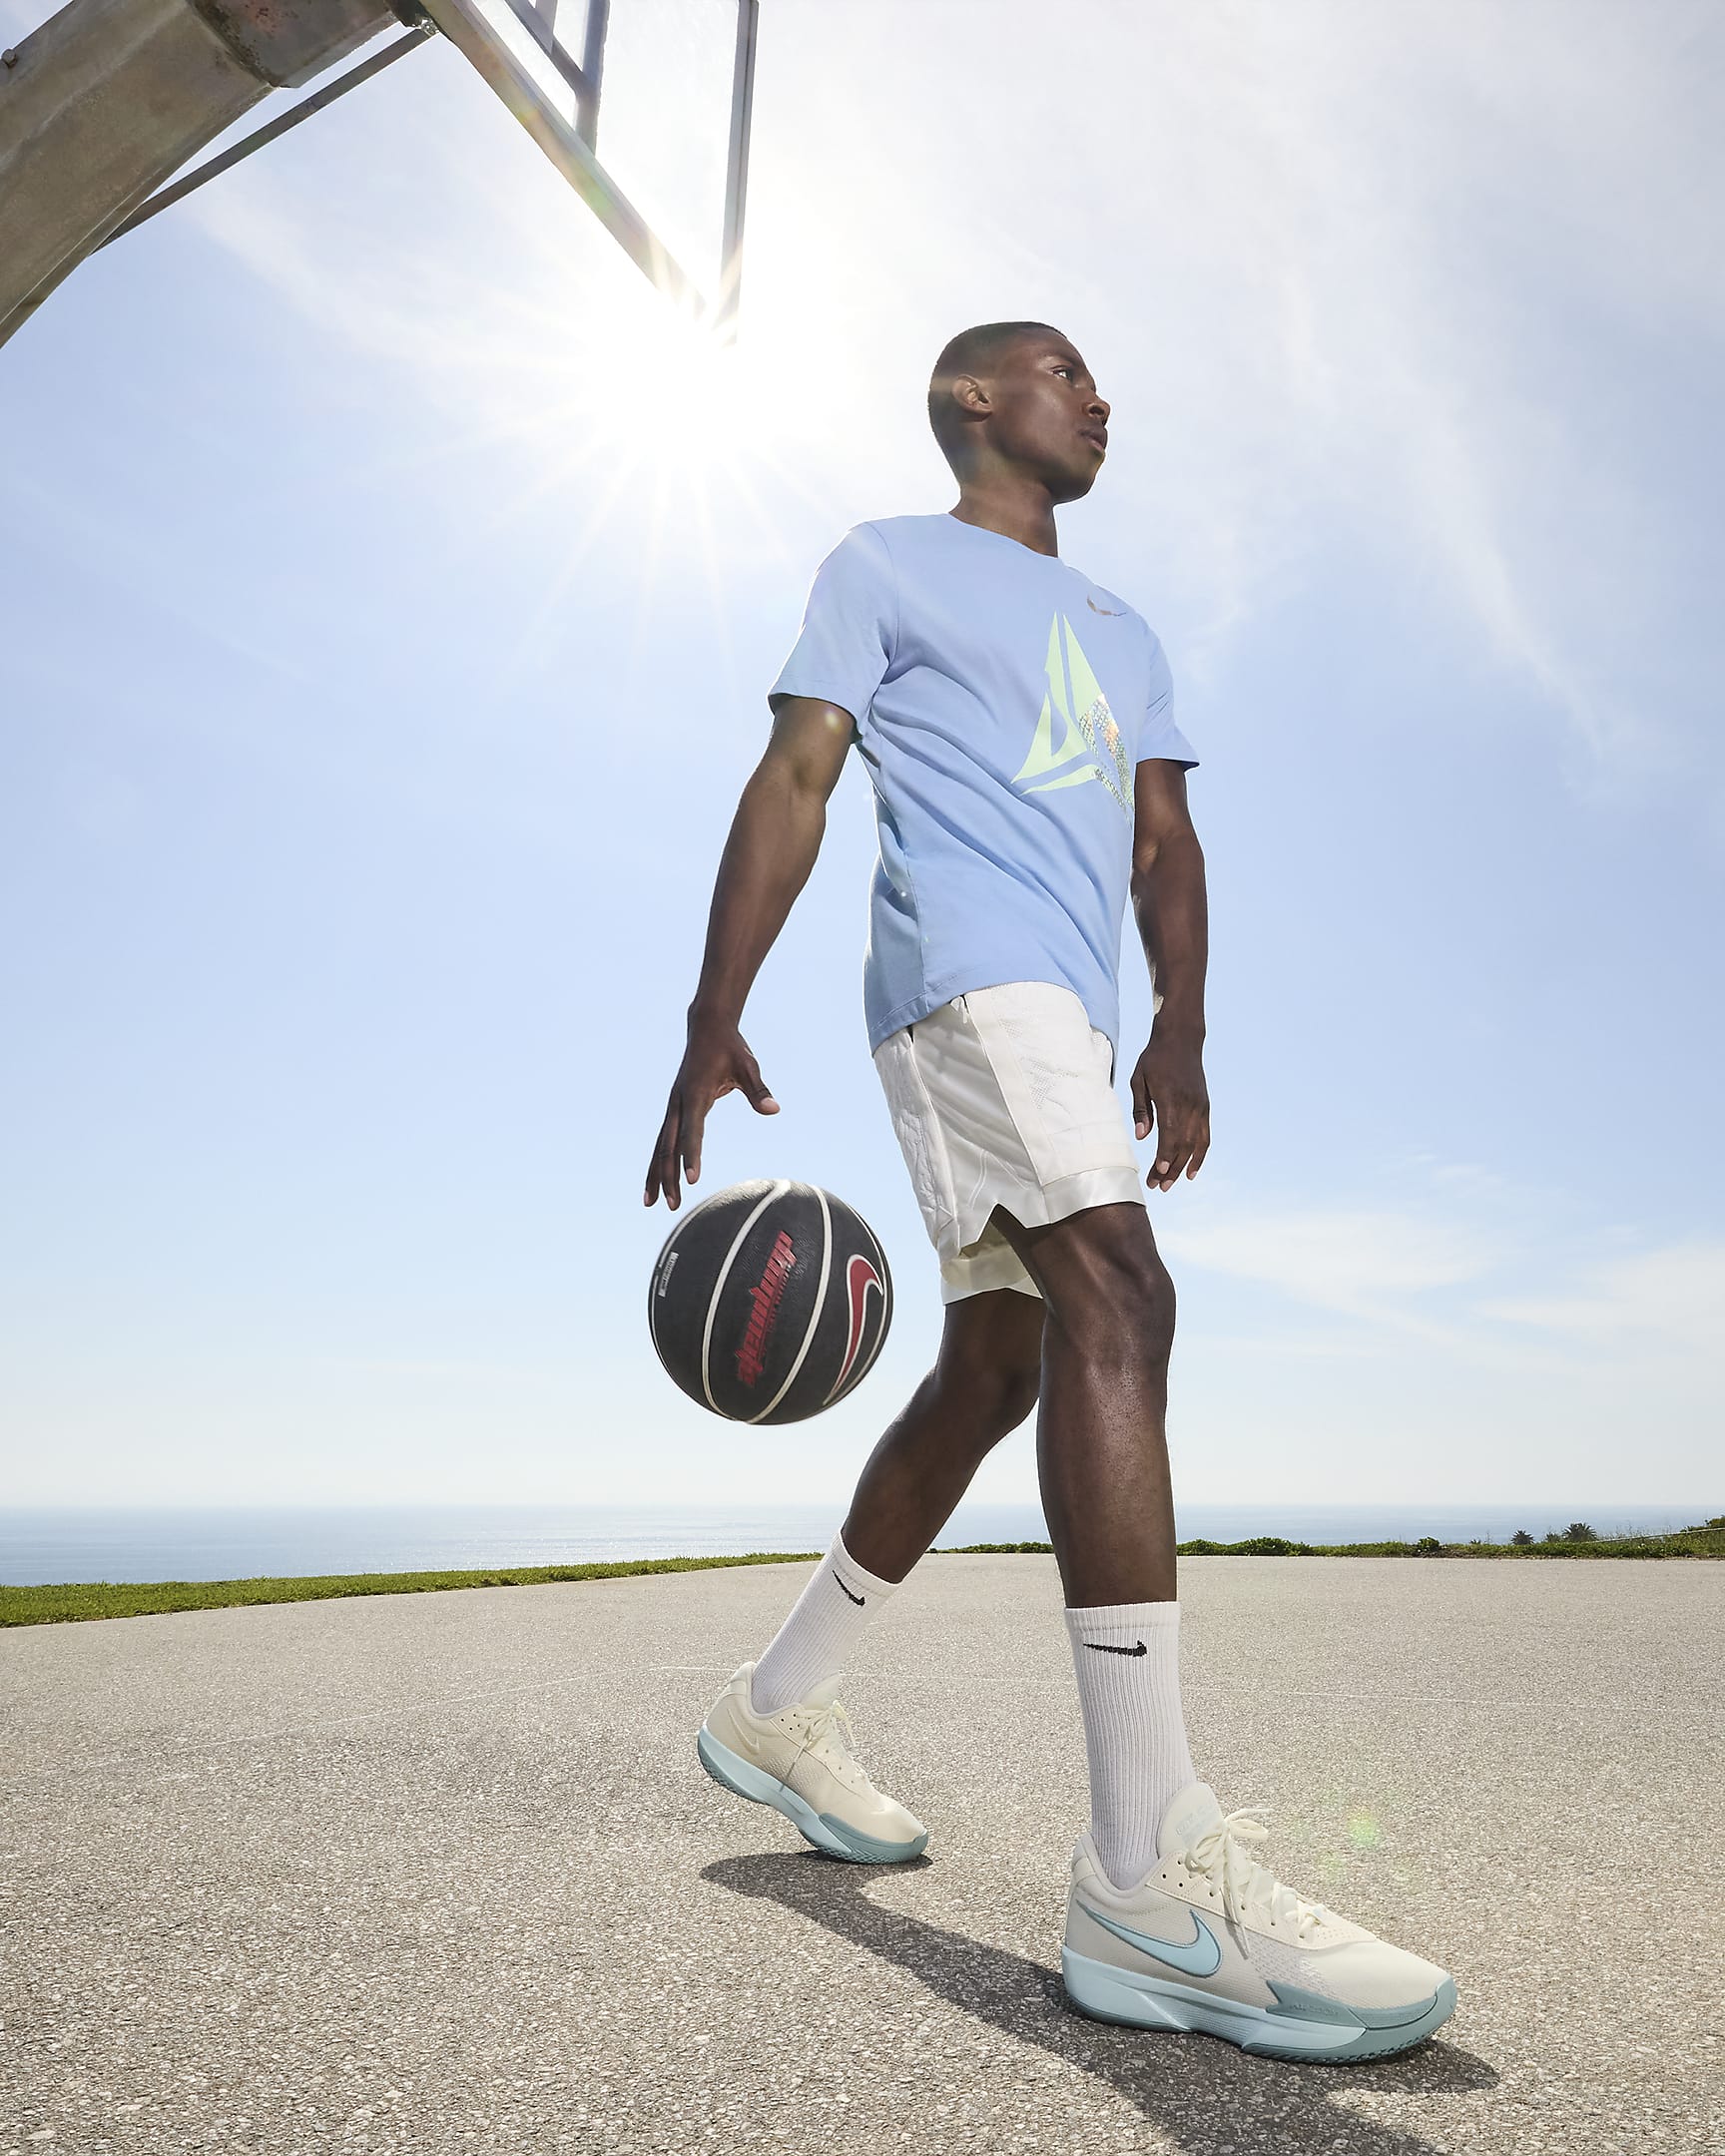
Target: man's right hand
775,836
717,1061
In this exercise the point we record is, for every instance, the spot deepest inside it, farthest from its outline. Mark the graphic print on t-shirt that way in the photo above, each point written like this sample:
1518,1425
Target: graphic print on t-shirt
1088,726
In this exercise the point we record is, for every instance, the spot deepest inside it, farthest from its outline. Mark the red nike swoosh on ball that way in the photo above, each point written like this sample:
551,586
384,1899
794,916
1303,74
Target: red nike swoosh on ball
862,1277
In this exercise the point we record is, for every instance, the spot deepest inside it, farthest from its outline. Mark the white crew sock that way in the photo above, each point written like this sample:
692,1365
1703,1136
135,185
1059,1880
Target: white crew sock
815,1639
1127,1656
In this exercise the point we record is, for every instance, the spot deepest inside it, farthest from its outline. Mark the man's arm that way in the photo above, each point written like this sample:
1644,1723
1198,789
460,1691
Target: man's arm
1168,899
775,836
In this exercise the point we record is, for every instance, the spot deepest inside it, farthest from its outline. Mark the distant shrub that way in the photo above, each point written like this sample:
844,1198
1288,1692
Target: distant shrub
1579,1531
1263,1546
1521,1539
1427,1544
997,1549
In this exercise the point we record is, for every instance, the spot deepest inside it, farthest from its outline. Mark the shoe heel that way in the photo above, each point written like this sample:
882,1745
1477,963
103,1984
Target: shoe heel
831,1837
1108,1994
734,1774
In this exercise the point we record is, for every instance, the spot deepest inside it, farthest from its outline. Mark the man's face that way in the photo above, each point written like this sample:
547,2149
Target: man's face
1047,416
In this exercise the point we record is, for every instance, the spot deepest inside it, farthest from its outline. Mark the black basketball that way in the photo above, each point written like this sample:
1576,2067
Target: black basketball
769,1302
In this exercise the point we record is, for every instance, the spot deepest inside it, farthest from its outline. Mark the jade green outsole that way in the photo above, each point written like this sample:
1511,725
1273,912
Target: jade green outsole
1300,2026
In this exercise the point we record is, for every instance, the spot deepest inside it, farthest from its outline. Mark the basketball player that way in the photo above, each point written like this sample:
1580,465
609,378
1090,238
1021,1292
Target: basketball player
1015,720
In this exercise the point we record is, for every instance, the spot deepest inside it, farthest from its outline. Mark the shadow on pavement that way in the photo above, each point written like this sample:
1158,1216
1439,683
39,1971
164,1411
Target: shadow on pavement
1197,2090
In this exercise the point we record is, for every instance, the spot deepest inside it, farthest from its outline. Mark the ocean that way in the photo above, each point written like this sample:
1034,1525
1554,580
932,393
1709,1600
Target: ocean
39,1545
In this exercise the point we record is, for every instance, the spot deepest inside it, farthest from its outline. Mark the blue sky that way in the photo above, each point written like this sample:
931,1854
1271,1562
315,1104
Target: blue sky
391,589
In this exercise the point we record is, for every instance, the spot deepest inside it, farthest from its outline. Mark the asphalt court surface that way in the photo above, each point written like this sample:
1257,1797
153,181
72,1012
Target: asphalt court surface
439,1873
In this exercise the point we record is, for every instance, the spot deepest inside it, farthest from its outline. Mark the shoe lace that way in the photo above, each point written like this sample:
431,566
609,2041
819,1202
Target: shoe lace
826,1729
1223,1854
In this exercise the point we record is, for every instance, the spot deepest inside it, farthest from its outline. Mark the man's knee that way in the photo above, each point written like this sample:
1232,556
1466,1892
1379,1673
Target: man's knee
1107,1288
990,1375
1010,1392
993,1398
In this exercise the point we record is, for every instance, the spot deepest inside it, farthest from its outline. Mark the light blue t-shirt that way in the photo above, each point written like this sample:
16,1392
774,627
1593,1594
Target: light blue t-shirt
1002,702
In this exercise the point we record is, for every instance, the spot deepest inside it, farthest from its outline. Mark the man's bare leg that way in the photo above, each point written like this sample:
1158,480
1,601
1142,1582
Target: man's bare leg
984,1384
1102,1453
1101,1434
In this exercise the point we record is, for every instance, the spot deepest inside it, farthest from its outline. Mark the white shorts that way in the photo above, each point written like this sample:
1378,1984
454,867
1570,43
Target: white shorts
1005,1097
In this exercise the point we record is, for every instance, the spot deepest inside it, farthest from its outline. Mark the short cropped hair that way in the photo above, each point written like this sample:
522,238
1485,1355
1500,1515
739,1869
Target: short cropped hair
971,352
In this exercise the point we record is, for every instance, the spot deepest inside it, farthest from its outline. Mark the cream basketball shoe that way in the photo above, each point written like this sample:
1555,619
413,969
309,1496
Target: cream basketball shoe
1213,1941
801,1763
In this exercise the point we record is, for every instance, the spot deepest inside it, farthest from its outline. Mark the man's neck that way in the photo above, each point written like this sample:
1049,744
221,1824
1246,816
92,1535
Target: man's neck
1016,508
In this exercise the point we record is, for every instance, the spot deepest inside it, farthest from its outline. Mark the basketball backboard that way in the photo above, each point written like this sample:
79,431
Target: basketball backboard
675,80
677,74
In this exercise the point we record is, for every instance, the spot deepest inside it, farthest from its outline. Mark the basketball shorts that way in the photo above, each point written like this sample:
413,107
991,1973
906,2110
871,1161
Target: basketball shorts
1005,1097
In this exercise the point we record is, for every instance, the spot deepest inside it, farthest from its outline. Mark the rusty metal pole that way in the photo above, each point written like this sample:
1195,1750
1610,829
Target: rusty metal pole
109,98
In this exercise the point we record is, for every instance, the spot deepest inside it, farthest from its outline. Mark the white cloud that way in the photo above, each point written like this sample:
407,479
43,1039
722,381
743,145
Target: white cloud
1360,1348
1400,1272
1355,1262
1656,1298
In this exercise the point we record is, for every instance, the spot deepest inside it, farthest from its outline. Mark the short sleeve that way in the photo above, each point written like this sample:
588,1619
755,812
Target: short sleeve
1161,739
849,627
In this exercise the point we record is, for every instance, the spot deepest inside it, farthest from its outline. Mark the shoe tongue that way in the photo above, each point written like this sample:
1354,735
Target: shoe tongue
823,1694
1190,1814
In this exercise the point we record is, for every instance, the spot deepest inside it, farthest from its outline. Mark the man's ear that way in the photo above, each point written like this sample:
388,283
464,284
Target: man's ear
973,397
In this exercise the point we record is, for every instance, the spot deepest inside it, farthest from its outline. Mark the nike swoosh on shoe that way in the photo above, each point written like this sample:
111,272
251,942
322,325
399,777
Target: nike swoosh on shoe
1200,1956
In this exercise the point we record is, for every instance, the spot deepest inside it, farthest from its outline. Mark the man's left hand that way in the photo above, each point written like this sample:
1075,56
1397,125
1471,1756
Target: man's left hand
1169,1093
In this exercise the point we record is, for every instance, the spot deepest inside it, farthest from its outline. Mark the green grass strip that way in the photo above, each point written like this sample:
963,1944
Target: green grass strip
1708,1541
75,1603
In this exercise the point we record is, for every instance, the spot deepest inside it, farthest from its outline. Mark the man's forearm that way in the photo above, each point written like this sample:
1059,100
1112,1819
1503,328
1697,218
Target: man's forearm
774,837
1170,903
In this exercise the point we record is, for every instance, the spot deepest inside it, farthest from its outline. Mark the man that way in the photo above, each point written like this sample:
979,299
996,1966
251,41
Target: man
1015,720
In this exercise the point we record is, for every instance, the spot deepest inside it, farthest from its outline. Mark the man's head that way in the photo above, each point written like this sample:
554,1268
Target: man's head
1019,395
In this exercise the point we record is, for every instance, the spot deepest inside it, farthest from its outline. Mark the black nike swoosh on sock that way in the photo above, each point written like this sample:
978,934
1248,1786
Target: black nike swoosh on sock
860,1600
1097,1646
